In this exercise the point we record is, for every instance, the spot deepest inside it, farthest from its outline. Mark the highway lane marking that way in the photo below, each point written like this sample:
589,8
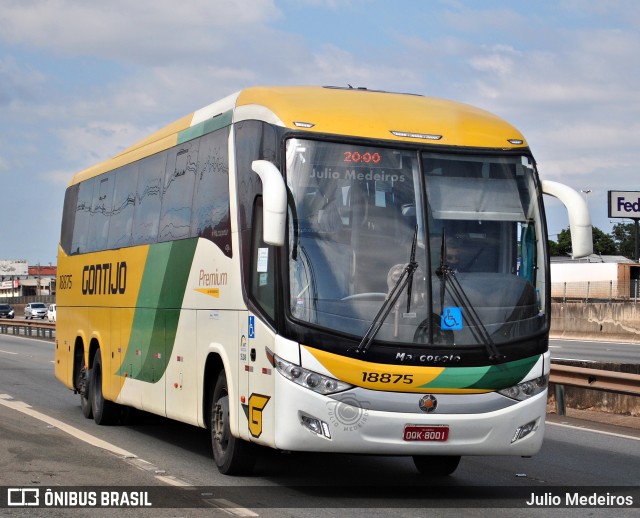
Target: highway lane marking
231,507
7,352
20,406
591,341
601,432
7,401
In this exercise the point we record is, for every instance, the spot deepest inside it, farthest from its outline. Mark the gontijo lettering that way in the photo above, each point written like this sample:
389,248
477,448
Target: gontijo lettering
104,279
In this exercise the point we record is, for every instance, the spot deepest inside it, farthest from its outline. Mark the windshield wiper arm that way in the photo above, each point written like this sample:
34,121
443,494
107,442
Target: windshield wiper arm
449,282
477,328
406,278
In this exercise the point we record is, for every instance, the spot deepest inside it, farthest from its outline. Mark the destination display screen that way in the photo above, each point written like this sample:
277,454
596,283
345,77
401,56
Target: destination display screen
337,155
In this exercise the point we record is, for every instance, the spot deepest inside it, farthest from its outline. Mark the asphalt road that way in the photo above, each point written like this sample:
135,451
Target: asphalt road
595,351
46,442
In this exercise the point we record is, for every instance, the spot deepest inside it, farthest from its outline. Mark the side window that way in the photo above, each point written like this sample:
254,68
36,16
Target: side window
262,270
69,217
177,194
100,212
148,199
82,217
211,218
124,197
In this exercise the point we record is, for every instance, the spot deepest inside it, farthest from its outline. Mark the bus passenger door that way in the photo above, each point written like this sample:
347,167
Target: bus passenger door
259,404
244,367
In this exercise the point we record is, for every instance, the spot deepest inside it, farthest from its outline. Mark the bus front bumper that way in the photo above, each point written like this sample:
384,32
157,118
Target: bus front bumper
307,421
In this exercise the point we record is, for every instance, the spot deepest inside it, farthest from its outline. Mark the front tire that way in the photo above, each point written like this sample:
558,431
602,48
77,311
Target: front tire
104,412
232,455
436,465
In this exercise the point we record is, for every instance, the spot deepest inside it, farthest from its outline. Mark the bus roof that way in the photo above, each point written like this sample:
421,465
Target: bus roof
331,110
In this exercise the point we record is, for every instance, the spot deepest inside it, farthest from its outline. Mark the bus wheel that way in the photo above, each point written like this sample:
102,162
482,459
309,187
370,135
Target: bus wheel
436,465
83,385
104,412
232,455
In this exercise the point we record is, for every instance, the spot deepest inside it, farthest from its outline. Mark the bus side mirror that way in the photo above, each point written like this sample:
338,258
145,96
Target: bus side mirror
274,202
579,219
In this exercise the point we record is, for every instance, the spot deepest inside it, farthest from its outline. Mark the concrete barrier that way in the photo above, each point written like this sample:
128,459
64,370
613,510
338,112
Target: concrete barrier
595,321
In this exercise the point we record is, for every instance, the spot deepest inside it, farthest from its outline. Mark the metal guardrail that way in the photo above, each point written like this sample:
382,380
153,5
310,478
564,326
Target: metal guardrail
607,381
28,328
593,379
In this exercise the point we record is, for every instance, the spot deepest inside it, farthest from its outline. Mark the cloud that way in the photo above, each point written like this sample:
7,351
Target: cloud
144,30
17,82
99,140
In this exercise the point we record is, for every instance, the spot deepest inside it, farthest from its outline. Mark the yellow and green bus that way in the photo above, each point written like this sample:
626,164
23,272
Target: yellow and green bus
317,269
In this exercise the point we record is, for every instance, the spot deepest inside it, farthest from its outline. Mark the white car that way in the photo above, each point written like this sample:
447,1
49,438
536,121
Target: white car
35,310
51,313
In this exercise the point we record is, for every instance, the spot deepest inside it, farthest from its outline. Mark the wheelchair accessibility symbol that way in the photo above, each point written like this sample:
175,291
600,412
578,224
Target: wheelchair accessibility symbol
451,319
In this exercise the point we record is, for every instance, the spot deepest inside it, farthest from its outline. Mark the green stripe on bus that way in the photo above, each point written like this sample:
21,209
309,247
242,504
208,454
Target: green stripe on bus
158,310
219,121
493,377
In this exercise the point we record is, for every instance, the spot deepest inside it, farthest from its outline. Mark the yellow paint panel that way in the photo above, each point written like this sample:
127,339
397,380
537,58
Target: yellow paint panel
376,376
376,114
96,305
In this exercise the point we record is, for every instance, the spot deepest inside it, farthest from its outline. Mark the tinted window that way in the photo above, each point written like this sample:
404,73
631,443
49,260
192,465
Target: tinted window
148,199
211,218
177,195
68,217
82,217
124,197
100,212
153,200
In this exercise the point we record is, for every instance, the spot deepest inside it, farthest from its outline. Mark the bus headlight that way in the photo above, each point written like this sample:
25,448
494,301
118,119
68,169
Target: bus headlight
526,389
309,379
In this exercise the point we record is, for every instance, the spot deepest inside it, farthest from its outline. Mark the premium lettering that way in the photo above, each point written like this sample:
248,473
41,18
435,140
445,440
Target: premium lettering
212,278
104,279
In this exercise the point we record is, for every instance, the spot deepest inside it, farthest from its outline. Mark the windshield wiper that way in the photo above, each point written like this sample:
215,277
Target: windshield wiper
459,296
406,278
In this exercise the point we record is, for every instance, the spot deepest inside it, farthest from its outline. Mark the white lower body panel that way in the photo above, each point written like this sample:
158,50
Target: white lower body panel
359,430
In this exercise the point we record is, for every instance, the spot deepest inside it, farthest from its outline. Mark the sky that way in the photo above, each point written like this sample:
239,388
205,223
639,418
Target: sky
80,81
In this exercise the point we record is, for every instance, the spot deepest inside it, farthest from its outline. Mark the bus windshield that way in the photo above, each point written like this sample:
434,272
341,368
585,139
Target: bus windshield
470,225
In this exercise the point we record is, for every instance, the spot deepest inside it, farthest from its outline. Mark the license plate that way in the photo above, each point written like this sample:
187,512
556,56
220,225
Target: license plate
414,432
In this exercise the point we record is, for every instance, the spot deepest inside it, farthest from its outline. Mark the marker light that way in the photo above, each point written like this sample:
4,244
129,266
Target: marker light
316,425
523,431
515,141
300,124
307,378
526,389
426,136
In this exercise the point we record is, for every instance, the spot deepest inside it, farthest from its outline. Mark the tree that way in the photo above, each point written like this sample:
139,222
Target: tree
563,246
624,237
603,244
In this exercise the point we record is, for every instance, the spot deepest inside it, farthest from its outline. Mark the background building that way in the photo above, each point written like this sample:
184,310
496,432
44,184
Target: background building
18,279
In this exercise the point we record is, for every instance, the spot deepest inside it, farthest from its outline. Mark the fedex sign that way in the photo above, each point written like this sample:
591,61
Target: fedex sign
624,204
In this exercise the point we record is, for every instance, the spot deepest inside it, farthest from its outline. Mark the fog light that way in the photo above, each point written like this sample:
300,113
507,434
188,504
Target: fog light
523,431
316,425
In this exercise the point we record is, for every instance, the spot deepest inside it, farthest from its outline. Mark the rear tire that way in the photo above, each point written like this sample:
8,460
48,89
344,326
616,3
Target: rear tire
232,455
436,465
104,412
84,387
